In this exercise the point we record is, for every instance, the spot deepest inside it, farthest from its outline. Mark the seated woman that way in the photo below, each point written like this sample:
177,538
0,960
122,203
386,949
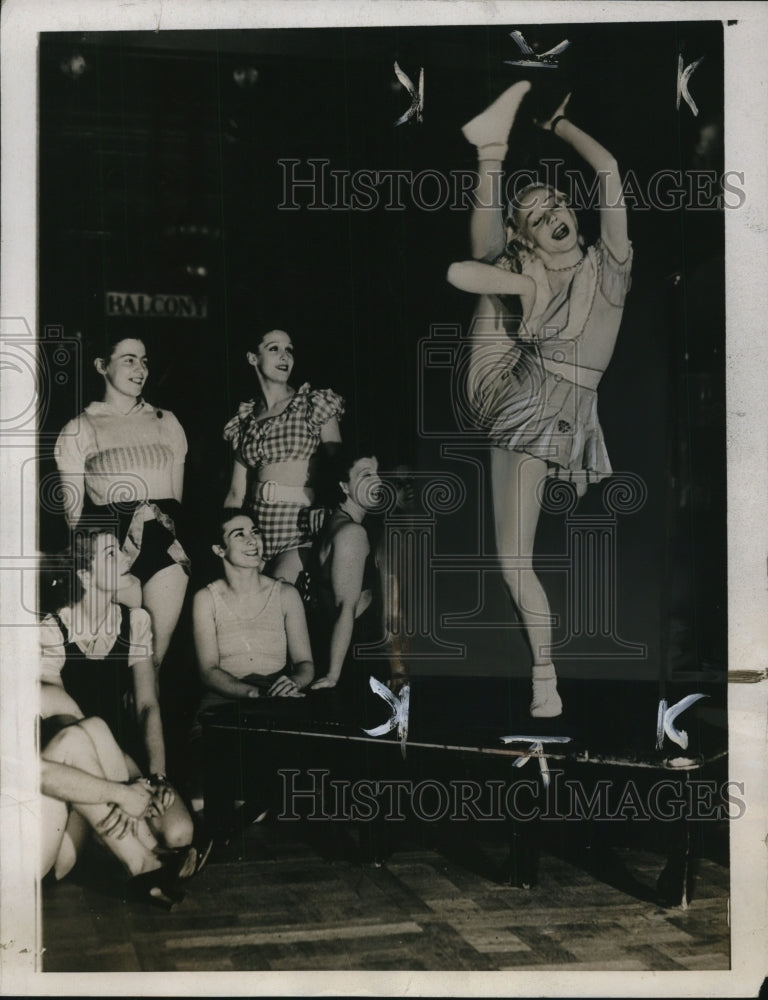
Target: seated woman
346,578
97,661
251,641
87,786
250,631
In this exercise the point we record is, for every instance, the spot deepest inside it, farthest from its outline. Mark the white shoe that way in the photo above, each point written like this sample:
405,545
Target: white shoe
492,126
546,702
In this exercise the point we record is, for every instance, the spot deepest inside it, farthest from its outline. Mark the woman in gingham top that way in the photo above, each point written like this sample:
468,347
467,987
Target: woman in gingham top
121,463
275,439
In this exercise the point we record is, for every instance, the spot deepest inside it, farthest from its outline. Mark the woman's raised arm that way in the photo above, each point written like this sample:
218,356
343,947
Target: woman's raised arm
613,213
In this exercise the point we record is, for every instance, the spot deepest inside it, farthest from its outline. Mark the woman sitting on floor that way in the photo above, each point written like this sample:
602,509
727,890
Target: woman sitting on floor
88,786
97,660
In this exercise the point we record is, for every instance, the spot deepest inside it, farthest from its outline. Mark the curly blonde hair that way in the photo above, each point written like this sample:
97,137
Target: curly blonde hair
519,248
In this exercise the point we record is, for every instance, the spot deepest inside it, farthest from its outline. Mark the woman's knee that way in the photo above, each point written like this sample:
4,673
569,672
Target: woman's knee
178,829
519,580
68,745
98,730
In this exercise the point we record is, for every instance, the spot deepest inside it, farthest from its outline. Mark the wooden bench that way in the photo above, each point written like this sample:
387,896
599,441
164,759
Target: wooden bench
595,765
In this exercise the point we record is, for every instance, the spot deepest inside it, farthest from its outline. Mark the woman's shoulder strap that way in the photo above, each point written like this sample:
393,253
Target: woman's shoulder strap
124,633
62,627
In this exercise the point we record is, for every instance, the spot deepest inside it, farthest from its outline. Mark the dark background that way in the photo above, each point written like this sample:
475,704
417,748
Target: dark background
155,162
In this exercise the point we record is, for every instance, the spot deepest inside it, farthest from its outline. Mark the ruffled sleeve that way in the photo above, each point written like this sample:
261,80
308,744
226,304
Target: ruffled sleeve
616,275
234,428
322,405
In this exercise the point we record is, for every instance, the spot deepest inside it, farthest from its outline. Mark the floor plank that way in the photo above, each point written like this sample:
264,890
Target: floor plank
281,899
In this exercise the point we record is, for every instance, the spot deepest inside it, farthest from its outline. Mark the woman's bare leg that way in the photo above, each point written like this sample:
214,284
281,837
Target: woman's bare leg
516,479
63,835
489,132
286,565
163,596
175,827
74,746
112,761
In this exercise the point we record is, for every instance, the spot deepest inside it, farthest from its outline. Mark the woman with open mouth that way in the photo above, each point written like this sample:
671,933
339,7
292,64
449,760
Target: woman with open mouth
532,380
121,463
278,438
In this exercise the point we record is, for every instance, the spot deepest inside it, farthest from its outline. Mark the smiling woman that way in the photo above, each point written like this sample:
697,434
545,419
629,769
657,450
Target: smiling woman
121,463
248,626
535,392
276,439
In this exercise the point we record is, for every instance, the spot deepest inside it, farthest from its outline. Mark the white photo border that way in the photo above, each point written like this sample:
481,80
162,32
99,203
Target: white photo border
746,150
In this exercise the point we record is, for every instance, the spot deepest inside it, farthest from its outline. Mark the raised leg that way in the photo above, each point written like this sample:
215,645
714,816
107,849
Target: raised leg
489,132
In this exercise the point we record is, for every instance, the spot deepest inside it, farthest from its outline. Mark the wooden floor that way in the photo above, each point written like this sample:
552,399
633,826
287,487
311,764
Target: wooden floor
287,898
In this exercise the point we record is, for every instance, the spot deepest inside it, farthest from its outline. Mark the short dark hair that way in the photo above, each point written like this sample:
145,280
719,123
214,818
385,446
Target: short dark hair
343,461
228,513
104,347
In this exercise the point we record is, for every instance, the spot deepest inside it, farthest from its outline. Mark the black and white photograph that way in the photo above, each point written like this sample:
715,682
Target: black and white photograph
384,475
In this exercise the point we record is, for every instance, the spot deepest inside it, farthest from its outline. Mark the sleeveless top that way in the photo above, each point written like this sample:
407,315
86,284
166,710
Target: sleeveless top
322,613
323,570
256,644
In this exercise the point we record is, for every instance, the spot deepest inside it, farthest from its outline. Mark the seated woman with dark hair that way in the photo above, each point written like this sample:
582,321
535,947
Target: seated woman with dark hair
97,661
251,641
250,631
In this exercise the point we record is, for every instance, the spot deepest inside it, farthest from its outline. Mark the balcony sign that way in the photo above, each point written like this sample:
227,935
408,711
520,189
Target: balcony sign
156,305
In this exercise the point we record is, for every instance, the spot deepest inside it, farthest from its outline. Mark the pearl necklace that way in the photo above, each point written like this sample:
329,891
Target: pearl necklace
571,267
